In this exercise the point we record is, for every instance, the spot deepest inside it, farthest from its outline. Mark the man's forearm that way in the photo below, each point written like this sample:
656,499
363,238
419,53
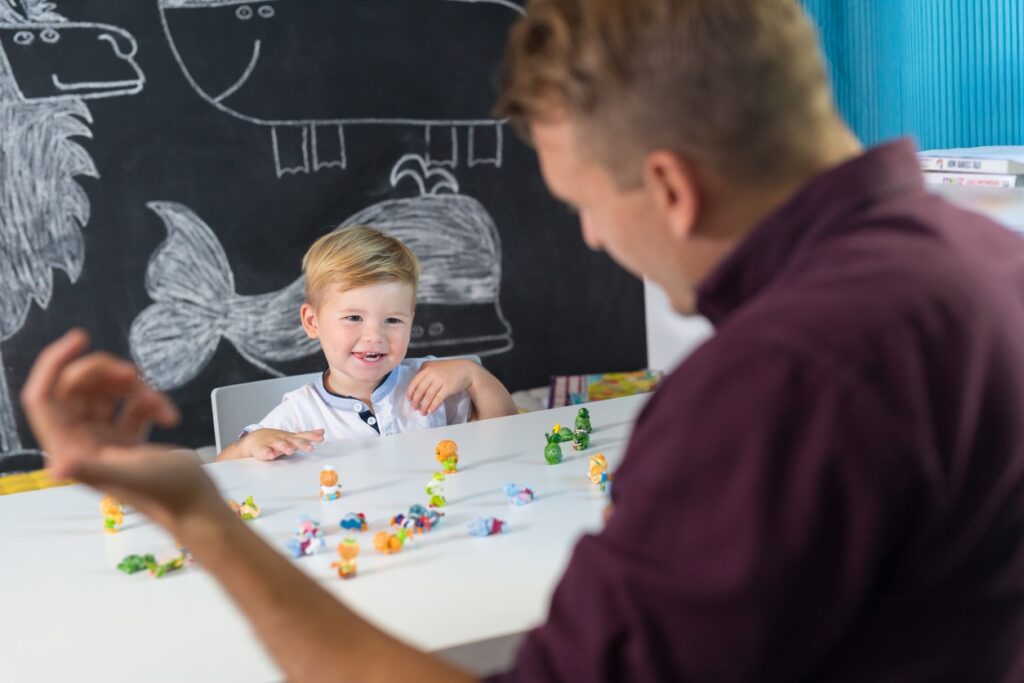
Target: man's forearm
311,635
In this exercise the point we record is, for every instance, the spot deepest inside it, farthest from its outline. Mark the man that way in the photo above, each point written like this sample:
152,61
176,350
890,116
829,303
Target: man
832,488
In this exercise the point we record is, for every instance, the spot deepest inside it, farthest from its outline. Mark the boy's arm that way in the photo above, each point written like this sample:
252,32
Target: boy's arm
437,380
489,396
91,414
270,444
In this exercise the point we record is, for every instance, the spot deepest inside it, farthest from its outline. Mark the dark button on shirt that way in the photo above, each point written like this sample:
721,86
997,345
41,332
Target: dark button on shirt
832,488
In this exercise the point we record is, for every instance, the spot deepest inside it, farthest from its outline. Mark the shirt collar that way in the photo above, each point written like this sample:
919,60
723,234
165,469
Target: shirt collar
822,207
385,387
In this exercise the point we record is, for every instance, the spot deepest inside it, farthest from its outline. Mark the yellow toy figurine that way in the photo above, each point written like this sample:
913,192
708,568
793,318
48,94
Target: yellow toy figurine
247,510
113,514
599,470
348,550
330,489
447,453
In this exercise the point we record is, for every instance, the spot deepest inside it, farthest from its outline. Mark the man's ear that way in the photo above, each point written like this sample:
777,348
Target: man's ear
309,321
673,183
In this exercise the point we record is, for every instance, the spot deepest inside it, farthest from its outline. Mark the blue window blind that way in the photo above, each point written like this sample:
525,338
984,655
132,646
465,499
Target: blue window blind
948,72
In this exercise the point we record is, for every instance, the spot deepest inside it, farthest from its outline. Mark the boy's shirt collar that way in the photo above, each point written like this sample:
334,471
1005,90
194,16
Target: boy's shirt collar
382,391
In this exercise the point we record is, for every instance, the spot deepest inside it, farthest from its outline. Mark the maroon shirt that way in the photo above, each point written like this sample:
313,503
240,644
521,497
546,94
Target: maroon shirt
832,488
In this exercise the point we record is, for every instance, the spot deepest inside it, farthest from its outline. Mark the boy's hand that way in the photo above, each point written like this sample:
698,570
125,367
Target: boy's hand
437,380
270,444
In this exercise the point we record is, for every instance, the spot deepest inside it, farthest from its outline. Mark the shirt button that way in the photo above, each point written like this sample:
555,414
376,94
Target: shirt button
359,407
371,421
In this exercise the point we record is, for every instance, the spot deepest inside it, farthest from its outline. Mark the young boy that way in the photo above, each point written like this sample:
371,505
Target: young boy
360,299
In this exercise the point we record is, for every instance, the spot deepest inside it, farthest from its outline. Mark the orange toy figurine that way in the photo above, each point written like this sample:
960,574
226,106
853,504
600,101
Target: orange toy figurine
330,489
113,514
388,543
348,549
447,454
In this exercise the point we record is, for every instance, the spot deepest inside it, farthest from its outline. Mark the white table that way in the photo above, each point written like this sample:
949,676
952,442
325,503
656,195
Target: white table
67,614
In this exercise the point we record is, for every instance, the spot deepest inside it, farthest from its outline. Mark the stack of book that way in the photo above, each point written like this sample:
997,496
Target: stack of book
974,166
567,390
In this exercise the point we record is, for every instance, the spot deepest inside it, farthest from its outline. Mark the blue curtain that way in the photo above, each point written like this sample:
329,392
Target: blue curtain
948,72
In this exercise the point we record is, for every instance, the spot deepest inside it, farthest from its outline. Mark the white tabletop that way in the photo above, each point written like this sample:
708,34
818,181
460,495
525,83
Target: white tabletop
67,613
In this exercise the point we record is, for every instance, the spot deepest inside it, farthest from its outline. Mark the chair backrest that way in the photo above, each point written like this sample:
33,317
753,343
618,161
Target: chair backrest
238,405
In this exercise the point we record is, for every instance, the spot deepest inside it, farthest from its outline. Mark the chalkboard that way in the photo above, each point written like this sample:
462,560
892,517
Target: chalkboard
164,164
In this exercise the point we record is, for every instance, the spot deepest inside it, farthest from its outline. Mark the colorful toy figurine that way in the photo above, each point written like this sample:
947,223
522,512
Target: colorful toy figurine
598,470
308,538
418,520
247,510
447,453
580,440
330,489
518,495
486,526
348,550
136,563
354,521
433,517
553,451
564,433
435,489
583,421
388,543
113,514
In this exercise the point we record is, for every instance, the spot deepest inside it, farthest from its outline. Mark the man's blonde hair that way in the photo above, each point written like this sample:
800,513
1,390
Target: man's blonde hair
356,257
737,85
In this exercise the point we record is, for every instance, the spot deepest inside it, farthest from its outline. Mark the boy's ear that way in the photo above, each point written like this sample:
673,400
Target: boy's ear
309,322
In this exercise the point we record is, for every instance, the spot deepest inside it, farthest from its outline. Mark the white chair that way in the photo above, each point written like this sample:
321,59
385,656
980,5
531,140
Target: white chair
238,405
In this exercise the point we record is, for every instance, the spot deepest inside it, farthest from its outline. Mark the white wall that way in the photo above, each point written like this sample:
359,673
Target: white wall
670,336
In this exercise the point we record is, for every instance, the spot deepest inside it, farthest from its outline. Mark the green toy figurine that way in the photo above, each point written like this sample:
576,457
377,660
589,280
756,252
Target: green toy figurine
564,433
435,489
583,421
580,440
553,451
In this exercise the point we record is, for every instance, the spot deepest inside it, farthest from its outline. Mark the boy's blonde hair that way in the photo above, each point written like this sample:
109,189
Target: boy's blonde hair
356,257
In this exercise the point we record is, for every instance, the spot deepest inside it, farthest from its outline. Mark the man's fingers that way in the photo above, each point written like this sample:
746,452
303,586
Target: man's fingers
98,375
42,379
141,410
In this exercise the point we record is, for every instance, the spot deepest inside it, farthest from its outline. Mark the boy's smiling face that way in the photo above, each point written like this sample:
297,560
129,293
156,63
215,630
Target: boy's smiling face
364,333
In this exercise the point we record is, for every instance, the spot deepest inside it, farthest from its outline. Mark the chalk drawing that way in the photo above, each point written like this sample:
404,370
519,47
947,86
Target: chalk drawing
42,207
353,76
195,304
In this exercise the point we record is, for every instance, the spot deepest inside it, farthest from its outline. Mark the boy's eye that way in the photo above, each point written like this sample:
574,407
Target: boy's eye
353,318
394,321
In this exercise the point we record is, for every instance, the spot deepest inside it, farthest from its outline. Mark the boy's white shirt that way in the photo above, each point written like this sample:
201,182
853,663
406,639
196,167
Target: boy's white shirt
312,406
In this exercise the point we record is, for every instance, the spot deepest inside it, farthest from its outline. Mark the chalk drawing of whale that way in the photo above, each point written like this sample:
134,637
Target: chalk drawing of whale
307,69
195,304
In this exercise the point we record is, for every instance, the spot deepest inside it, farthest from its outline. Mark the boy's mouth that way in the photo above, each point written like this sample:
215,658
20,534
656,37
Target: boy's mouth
369,357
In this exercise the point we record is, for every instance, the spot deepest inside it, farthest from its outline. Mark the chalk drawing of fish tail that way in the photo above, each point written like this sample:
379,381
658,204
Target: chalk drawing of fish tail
195,305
